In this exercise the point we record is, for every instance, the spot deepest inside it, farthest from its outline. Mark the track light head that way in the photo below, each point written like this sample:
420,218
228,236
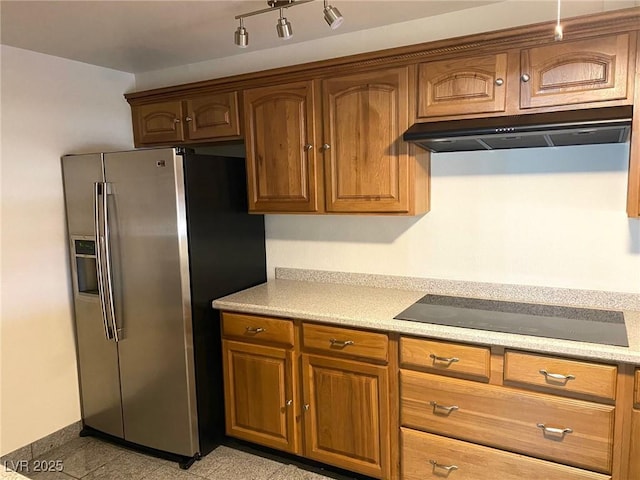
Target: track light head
332,16
283,27
241,37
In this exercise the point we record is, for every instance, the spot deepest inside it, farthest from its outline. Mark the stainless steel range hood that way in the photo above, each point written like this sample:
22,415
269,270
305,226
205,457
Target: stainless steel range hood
555,129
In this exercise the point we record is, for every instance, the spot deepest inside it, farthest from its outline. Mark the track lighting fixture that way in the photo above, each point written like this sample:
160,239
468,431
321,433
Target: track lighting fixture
283,27
242,36
332,16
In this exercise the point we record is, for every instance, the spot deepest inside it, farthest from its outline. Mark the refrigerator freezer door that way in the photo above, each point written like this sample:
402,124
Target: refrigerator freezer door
149,256
97,356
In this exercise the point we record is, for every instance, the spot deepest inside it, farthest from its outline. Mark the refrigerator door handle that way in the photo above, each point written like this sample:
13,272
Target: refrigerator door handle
106,190
97,189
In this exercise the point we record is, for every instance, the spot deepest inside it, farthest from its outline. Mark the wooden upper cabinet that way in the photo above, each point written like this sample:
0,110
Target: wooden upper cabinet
367,164
279,137
462,86
583,71
213,116
202,118
158,123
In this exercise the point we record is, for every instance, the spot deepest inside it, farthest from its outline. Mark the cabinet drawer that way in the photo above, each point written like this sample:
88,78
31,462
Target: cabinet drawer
436,357
262,329
637,388
345,341
523,422
561,375
473,462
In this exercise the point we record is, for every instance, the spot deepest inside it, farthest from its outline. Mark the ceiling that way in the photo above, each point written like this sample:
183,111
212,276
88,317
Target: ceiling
140,36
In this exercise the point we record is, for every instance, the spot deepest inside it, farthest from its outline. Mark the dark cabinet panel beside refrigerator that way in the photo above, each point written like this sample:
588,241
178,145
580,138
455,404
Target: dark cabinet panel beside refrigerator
155,235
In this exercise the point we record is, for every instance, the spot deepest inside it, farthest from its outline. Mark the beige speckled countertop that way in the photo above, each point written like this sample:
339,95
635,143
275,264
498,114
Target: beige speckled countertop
327,299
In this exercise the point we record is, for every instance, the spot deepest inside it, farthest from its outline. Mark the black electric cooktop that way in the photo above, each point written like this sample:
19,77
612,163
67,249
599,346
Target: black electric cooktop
549,321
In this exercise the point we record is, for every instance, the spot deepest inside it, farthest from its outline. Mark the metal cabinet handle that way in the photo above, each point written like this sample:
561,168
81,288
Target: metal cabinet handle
499,82
557,376
340,343
306,407
187,119
448,468
436,406
448,360
326,146
255,330
553,430
525,77
308,147
176,120
289,403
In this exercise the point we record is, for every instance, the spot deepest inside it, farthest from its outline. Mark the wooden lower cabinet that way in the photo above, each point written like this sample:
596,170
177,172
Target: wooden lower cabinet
260,394
426,456
346,415
634,457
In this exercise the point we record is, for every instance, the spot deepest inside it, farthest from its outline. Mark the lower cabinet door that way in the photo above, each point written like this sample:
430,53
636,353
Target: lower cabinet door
260,400
346,414
426,456
634,457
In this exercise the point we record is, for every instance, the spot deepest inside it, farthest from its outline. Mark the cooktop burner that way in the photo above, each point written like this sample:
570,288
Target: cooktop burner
549,321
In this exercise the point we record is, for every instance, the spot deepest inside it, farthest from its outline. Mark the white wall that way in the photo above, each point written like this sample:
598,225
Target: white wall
551,217
50,107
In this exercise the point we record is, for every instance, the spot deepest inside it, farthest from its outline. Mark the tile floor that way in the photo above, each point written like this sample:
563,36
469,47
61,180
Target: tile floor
89,458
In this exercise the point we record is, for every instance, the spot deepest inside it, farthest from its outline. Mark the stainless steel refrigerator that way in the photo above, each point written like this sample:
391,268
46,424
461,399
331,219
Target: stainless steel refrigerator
154,236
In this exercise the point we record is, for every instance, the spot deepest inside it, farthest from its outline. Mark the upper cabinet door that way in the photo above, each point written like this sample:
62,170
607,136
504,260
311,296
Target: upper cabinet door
213,116
462,86
281,158
366,162
158,123
583,71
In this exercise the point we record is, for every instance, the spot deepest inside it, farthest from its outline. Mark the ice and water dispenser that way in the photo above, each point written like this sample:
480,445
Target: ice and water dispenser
85,265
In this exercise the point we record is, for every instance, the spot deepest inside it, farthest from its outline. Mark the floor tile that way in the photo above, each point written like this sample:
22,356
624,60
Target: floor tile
57,439
228,464
51,476
128,465
291,472
83,455
168,473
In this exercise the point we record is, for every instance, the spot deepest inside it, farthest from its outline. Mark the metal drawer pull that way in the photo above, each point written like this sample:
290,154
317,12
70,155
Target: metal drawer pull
448,410
340,343
557,376
289,403
448,468
554,431
255,330
448,360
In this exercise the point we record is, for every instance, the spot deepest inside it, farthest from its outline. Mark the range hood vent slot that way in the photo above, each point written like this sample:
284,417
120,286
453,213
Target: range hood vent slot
556,129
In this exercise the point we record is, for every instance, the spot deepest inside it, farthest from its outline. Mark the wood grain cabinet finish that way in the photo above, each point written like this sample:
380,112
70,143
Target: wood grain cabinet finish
158,123
573,432
367,164
260,397
195,119
427,456
636,389
561,375
281,157
254,328
436,356
339,341
346,416
461,86
583,71
634,456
